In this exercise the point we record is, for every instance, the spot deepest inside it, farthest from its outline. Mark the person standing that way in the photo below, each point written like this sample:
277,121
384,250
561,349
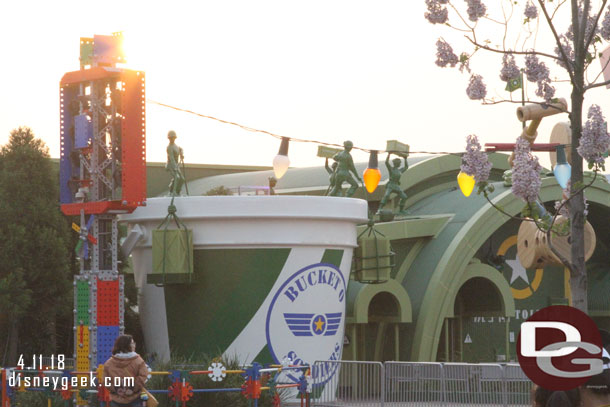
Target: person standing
125,363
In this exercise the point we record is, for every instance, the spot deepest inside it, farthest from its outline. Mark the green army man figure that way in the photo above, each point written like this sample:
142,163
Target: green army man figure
393,185
332,172
174,156
345,164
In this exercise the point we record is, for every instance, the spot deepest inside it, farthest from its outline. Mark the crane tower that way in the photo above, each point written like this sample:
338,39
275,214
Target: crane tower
102,174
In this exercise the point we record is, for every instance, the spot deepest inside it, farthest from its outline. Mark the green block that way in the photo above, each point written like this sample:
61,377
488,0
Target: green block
86,51
172,251
82,302
373,259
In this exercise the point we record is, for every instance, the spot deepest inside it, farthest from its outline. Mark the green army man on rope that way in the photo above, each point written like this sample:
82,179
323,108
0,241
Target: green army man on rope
345,164
174,156
393,185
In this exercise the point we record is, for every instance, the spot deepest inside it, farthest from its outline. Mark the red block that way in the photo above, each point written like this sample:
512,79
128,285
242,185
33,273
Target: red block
134,139
107,303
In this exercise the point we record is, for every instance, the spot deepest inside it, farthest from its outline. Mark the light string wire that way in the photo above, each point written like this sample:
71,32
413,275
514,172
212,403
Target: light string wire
292,138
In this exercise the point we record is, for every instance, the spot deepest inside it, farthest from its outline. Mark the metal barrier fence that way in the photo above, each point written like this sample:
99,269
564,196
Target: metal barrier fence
49,361
347,383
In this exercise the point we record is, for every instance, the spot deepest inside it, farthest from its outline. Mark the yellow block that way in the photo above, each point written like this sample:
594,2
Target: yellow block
82,348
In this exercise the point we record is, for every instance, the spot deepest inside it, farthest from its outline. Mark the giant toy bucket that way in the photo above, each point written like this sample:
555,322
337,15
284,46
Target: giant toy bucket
269,282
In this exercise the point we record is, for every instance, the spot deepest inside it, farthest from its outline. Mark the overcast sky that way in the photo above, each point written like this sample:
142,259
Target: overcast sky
322,70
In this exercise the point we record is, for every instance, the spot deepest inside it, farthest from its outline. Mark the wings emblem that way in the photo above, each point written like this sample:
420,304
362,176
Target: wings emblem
302,324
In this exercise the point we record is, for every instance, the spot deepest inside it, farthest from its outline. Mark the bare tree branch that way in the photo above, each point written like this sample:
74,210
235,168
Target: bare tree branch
457,29
564,57
493,20
561,3
499,51
460,16
597,85
505,24
575,23
544,104
563,260
548,232
592,34
583,27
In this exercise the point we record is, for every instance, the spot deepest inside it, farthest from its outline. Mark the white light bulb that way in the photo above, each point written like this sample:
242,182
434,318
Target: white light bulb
280,165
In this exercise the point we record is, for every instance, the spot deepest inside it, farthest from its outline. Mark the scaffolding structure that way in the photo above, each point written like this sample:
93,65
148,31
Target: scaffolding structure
102,174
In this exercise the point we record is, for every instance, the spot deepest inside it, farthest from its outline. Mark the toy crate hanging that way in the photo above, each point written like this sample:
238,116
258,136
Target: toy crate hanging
172,253
373,258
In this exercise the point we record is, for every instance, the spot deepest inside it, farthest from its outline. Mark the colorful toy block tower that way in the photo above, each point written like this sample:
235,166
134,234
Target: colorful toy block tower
102,174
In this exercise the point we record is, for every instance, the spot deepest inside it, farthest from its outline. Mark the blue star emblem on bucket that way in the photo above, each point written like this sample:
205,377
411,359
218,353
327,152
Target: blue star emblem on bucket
305,321
311,324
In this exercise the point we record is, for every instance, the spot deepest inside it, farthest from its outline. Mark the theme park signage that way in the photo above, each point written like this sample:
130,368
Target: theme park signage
560,348
306,316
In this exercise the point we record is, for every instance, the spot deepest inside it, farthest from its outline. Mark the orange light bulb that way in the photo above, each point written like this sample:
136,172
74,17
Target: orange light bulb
371,177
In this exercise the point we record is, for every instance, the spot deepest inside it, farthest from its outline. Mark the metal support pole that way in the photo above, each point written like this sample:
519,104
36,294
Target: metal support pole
396,341
447,358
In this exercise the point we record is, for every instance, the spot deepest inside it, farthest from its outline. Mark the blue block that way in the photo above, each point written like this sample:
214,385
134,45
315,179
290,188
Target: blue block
83,131
106,335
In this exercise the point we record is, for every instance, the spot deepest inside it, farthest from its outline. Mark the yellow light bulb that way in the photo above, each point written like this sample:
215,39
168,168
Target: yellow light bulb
371,177
466,183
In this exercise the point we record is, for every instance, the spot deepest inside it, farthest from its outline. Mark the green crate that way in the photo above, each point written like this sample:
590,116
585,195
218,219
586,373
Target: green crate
177,244
327,152
397,147
373,259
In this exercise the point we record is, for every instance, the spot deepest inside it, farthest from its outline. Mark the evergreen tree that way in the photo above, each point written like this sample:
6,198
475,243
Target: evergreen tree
35,288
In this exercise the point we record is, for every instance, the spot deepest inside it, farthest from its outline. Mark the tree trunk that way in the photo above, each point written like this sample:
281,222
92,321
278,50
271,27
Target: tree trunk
578,277
52,332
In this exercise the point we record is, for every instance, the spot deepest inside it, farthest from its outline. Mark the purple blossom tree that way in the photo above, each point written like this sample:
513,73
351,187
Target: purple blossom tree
476,88
530,11
475,161
509,70
595,139
526,172
445,55
576,44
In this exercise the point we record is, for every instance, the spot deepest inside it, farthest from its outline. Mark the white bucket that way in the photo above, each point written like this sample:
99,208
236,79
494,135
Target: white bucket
270,280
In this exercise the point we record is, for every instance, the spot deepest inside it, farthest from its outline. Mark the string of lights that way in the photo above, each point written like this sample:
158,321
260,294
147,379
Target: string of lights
247,128
372,175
